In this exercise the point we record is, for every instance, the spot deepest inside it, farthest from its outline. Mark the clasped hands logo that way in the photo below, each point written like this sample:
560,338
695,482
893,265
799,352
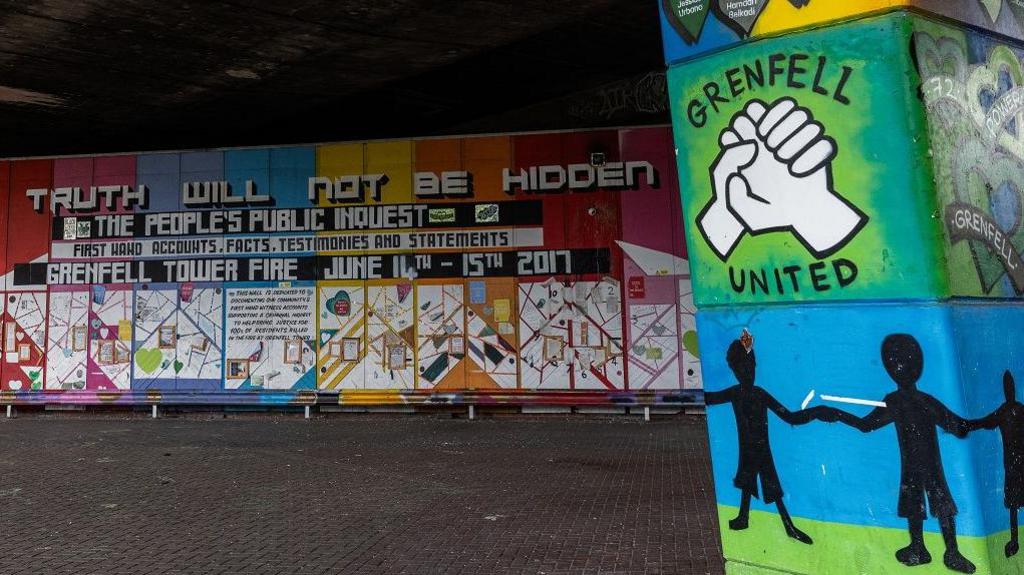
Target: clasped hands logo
774,174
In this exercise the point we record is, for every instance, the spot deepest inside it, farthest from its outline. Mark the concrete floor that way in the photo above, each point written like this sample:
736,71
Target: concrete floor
346,494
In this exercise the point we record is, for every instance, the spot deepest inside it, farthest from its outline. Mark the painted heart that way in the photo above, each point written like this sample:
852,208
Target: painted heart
991,181
687,17
992,7
740,15
105,333
1017,9
178,366
993,85
148,360
404,289
20,335
690,343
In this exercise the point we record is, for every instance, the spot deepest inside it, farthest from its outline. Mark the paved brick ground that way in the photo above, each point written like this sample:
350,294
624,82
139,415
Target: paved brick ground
355,494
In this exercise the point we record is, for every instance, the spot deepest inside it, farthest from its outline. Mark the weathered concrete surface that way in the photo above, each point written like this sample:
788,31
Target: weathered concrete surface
128,75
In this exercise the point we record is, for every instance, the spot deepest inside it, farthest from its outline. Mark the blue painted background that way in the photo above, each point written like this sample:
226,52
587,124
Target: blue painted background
831,472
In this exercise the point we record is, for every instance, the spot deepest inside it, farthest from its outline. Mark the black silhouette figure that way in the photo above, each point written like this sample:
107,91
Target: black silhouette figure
1009,418
916,415
750,405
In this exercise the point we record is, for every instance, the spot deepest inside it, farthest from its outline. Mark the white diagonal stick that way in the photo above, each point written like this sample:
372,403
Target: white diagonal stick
853,400
807,400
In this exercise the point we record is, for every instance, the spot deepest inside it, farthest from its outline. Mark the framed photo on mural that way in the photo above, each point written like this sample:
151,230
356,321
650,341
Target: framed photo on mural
121,354
79,338
396,357
10,332
334,349
293,351
614,347
105,355
457,345
554,348
24,352
350,349
237,369
167,337
200,343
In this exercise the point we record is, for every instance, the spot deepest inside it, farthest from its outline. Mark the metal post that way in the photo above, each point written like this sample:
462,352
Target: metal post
472,411
154,411
647,413
307,412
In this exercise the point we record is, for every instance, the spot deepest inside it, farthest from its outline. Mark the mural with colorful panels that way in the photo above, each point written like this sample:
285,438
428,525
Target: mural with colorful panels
691,28
521,262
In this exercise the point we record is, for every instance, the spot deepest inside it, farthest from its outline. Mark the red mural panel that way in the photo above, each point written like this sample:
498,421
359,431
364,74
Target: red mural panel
28,232
538,150
28,239
115,171
5,194
648,215
74,173
592,216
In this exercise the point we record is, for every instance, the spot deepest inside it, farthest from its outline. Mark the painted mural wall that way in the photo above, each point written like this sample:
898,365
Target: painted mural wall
535,262
972,85
787,158
852,204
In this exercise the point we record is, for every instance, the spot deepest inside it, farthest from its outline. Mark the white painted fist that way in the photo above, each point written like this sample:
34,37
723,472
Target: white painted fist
773,173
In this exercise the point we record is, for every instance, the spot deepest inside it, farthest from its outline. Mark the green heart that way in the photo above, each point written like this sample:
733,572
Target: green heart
177,366
690,343
148,359
992,7
1017,8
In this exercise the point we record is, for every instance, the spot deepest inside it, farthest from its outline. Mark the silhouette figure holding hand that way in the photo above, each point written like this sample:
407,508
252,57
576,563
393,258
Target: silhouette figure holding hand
750,406
916,415
1009,419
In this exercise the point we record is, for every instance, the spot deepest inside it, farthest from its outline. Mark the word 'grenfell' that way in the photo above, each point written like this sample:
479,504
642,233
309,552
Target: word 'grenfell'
795,71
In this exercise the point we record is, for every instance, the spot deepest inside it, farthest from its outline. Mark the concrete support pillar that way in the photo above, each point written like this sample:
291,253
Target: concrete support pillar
854,204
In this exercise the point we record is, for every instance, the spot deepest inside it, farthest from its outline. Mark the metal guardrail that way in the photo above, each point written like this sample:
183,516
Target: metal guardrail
425,398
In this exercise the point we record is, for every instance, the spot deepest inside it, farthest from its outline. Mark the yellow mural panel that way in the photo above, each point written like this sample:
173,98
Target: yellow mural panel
781,16
336,160
395,160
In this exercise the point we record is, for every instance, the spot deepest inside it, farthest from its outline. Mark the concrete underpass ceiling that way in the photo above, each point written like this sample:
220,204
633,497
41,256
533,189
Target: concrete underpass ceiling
80,76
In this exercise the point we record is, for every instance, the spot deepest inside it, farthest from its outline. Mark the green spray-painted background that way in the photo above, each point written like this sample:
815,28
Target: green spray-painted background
881,166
